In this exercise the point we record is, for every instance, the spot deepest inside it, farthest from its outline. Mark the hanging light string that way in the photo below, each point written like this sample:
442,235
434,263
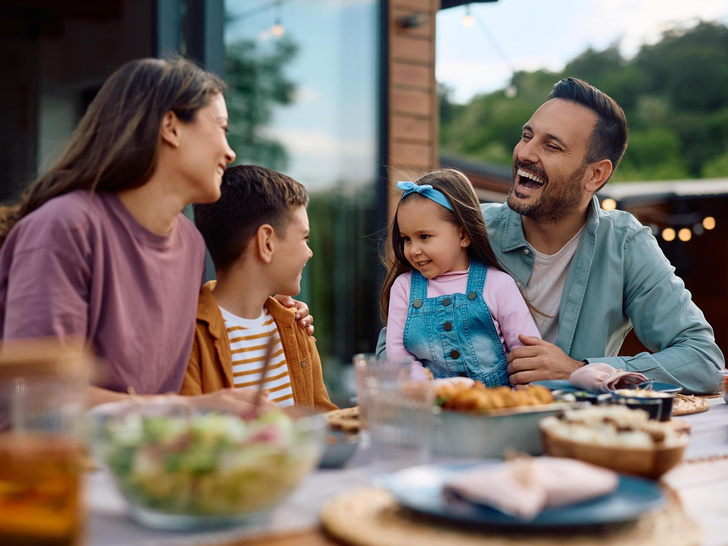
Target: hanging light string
258,9
469,19
686,224
277,29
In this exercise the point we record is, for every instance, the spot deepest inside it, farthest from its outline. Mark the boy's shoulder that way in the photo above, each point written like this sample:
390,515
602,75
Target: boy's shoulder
207,308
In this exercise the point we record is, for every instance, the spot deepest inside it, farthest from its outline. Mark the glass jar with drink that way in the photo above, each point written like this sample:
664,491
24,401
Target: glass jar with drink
42,400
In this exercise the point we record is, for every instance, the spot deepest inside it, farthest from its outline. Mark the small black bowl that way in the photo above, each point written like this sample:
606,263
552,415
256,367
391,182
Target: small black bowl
658,405
339,447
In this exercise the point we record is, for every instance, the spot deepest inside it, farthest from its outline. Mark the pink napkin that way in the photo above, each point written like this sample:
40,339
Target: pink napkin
602,377
525,486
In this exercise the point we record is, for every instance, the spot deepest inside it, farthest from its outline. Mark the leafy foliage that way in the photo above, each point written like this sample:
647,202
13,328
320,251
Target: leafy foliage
674,93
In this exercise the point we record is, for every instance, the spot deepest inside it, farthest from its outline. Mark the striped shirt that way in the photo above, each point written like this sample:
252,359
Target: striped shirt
248,341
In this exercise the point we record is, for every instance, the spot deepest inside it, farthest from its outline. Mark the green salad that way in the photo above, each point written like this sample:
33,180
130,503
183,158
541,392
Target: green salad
206,464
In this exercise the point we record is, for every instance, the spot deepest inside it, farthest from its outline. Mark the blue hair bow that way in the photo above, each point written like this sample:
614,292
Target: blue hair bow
425,190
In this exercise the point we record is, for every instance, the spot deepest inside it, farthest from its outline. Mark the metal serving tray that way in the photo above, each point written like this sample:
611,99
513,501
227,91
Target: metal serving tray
495,433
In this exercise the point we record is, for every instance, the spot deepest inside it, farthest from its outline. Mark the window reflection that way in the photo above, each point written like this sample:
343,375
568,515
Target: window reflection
303,100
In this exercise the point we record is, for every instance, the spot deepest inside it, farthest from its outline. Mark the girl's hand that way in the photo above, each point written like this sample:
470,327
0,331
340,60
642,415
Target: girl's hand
305,320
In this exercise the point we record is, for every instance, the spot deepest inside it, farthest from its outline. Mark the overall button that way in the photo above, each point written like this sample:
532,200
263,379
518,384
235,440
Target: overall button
446,302
448,326
303,364
417,304
454,354
472,296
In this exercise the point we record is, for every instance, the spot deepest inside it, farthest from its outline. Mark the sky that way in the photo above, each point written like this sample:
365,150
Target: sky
513,35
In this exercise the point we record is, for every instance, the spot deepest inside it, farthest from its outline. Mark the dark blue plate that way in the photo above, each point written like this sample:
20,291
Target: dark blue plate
420,488
564,385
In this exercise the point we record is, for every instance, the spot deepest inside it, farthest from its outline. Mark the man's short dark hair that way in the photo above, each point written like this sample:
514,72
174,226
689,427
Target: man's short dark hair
609,138
251,196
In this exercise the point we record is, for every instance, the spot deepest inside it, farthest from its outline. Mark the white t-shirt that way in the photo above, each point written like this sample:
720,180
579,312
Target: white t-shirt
546,285
248,341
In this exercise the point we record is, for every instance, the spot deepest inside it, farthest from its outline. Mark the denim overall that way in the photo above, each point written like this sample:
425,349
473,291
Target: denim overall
455,335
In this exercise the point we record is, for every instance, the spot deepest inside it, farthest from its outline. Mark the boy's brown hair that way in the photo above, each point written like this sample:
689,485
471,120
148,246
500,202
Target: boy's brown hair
251,196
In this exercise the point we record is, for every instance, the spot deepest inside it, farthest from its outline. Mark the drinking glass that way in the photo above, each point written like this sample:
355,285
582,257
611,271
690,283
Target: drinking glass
396,412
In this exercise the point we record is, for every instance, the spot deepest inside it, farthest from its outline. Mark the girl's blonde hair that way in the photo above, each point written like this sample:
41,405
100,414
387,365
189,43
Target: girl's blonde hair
466,213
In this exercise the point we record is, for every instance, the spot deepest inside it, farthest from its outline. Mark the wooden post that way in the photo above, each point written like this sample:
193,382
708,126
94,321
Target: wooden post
413,103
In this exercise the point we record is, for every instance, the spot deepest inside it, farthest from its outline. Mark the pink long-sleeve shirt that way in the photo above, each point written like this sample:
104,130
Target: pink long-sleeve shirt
504,300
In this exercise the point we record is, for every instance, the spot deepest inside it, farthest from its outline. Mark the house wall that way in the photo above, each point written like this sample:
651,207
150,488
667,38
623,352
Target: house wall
53,58
413,105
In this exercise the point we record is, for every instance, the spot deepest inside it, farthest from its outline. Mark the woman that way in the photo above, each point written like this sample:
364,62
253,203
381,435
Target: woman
98,248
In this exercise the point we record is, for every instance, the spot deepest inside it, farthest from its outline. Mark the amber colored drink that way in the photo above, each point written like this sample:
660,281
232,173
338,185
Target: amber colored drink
39,491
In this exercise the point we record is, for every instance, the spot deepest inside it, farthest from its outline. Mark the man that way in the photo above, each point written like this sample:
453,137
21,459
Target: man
591,275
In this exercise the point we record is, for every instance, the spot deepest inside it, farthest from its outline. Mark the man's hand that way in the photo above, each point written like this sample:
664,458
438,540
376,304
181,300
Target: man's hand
538,360
305,320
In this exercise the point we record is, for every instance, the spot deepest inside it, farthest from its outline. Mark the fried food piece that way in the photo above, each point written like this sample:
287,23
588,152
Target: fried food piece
480,398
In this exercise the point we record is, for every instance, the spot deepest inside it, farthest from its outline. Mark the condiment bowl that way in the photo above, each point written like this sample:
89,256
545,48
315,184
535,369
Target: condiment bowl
657,404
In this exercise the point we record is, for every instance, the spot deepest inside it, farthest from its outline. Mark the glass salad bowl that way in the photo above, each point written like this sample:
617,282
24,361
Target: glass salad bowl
180,468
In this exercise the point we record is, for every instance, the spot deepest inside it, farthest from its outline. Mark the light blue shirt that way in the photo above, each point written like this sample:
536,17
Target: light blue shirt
619,279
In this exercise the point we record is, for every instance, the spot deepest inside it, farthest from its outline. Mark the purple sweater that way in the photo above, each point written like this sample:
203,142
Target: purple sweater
79,267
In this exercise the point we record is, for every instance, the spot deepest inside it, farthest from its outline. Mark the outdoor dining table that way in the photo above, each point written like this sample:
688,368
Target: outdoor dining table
701,482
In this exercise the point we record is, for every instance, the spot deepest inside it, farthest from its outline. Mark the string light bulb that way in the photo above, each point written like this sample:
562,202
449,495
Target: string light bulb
278,29
468,20
684,235
668,234
709,222
609,204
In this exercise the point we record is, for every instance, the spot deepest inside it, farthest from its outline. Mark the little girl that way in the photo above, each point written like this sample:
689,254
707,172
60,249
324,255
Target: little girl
445,300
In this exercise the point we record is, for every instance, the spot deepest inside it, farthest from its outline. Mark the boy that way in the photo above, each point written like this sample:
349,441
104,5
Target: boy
257,235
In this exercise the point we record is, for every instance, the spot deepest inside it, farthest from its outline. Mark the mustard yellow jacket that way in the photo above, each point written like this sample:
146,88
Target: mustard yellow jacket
210,365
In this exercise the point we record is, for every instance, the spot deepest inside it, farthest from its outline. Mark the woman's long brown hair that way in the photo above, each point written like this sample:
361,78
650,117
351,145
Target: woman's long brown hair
466,214
116,143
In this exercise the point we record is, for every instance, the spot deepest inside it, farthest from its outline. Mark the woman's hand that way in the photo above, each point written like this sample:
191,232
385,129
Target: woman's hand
305,320
237,401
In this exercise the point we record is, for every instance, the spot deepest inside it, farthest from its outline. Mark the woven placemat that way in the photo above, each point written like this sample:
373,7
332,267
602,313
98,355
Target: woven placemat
686,404
371,517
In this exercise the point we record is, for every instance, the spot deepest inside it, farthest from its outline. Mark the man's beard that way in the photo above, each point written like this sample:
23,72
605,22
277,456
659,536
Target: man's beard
555,202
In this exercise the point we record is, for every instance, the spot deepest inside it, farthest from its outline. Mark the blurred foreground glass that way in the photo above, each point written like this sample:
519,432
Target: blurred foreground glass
396,412
42,399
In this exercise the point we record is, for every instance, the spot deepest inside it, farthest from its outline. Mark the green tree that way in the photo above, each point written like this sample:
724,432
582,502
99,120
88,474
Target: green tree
652,155
674,94
717,167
